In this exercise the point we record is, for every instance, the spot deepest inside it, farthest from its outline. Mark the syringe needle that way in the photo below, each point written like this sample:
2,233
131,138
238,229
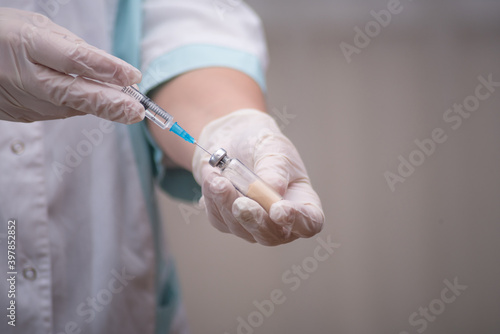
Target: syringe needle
202,148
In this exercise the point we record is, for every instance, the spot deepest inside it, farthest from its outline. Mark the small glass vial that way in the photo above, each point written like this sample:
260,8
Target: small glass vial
244,180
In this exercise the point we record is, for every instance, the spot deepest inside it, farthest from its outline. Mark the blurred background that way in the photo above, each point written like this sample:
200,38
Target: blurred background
417,256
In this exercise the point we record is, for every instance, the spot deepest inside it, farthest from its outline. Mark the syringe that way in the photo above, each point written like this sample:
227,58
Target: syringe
159,116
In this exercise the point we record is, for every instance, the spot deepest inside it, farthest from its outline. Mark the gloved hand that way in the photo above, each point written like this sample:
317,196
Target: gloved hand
47,72
255,139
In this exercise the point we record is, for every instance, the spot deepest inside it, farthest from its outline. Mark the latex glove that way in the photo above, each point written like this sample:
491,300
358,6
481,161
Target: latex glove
255,139
36,60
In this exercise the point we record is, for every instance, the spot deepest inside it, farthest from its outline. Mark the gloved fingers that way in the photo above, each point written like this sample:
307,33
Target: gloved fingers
56,47
256,221
300,213
82,95
275,170
219,196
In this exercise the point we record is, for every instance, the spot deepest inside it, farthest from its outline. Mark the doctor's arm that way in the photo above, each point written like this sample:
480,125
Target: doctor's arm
197,98
222,107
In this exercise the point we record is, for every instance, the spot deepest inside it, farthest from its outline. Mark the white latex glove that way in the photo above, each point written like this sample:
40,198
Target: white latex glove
36,60
255,139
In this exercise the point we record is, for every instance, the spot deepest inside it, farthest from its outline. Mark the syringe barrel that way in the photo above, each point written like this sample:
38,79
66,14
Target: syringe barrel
156,114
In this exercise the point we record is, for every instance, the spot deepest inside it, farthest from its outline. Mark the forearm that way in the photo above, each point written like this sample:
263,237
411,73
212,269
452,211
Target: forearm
198,97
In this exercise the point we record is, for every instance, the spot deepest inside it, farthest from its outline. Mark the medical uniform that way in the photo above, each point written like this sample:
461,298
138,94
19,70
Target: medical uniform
89,254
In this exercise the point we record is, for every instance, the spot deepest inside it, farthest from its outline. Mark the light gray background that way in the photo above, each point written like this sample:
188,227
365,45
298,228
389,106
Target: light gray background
352,122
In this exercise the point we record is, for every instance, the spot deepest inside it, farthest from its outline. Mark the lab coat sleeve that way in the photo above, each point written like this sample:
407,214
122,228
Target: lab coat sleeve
183,35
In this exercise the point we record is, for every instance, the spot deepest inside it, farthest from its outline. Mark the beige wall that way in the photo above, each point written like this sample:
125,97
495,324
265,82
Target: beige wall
353,120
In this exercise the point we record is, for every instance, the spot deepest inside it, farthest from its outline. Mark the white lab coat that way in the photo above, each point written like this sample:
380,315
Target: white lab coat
89,257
